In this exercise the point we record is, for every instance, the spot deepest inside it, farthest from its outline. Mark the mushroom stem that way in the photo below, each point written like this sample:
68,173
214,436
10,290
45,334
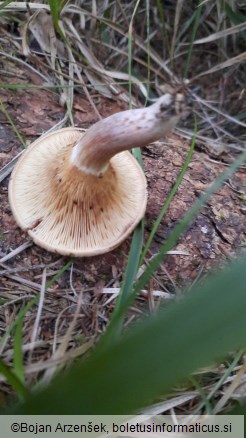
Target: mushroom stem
124,130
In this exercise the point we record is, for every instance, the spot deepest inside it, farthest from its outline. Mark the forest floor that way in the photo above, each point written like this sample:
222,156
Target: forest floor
218,233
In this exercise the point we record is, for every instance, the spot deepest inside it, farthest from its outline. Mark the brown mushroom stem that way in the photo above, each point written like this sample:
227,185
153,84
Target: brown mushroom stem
124,130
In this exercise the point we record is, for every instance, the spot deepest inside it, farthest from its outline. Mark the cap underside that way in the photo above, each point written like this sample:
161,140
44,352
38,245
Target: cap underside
69,212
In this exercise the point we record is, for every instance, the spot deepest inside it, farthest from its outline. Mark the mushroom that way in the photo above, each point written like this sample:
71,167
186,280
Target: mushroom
82,194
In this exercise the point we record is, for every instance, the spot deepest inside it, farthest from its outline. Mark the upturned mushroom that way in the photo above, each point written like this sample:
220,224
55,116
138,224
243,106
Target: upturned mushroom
82,194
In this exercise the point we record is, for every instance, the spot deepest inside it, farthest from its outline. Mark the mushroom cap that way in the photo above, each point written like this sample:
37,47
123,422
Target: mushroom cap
69,212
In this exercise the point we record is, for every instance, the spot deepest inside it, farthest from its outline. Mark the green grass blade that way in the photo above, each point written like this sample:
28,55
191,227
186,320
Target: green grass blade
236,17
193,35
5,3
170,197
114,329
15,129
187,220
59,273
221,381
55,10
203,395
13,380
148,44
132,266
12,326
193,332
136,152
161,12
18,356
185,27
